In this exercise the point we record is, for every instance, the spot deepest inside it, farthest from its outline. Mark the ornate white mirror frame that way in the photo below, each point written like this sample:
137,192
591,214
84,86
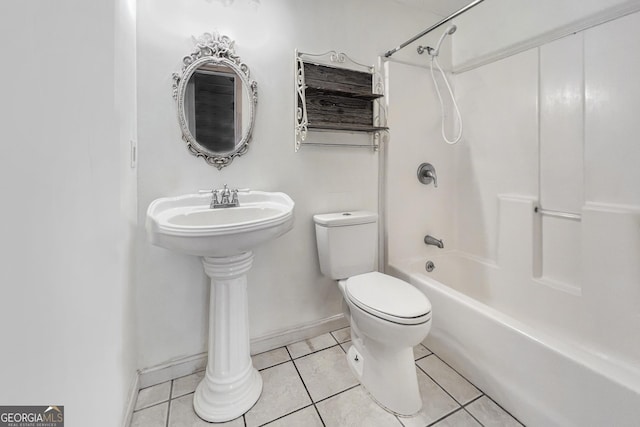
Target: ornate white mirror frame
212,49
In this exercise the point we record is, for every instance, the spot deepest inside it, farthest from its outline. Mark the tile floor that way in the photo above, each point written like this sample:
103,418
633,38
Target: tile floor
309,384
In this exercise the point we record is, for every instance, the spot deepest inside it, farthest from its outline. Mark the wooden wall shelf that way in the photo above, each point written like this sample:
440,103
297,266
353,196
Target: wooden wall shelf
335,93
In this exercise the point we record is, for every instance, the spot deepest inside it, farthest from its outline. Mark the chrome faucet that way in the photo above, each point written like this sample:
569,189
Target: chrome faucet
430,240
225,195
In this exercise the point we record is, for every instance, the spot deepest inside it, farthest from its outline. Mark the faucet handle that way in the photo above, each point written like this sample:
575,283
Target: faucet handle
427,174
432,175
234,199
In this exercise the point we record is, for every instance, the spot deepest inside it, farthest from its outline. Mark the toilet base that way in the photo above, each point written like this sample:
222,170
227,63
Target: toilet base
389,377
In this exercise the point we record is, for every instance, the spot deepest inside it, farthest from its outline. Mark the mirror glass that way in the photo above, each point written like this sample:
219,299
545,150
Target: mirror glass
216,101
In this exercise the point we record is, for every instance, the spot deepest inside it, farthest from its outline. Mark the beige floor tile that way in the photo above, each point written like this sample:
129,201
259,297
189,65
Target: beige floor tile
342,335
307,417
490,414
186,385
355,408
270,358
155,416
420,351
183,415
325,373
460,418
458,387
153,395
282,393
305,347
435,403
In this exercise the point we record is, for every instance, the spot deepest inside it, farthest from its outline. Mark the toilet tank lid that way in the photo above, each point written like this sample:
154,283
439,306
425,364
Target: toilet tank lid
341,219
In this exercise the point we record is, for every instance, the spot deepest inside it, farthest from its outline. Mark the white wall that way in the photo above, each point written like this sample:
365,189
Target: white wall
286,289
66,303
414,210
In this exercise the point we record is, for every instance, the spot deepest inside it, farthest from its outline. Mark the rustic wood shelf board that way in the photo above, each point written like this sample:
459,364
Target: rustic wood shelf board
336,97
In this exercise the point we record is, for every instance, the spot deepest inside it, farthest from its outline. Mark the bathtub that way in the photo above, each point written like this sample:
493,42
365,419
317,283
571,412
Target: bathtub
540,379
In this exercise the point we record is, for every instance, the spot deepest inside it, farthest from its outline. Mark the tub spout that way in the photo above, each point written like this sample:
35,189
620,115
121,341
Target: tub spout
430,240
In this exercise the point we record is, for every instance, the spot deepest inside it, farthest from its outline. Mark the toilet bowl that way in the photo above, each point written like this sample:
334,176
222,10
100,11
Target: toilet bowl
388,316
383,334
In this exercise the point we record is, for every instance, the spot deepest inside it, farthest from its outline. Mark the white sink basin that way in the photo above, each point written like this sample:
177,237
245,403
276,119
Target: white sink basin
186,223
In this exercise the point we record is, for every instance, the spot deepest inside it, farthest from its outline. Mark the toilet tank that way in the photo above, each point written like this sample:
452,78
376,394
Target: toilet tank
347,243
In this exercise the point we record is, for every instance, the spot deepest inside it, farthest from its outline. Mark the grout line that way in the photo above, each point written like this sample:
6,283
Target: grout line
340,392
319,416
469,403
500,406
425,356
473,400
313,352
438,384
150,406
334,337
193,373
285,415
269,351
465,378
169,403
305,387
471,415
446,416
273,366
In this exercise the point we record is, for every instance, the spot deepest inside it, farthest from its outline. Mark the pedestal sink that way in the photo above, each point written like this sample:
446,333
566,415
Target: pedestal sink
224,239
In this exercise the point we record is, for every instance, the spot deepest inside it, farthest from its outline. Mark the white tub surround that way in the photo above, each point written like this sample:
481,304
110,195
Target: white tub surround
540,203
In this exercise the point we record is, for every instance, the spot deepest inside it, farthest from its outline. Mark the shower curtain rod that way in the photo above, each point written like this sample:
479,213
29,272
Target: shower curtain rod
433,27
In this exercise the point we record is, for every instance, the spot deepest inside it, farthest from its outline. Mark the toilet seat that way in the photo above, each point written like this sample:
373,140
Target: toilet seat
388,298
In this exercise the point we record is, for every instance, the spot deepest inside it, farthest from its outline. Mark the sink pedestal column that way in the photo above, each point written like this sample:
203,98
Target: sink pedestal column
231,385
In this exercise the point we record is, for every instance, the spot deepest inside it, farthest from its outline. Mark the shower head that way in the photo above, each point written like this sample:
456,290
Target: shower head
450,30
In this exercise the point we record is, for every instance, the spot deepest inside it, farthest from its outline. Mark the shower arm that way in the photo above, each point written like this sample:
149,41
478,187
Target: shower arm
433,27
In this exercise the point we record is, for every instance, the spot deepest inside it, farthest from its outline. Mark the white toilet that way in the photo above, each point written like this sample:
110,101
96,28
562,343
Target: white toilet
388,316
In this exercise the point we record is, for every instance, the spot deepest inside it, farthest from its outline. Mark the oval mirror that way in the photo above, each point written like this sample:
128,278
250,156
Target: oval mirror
216,101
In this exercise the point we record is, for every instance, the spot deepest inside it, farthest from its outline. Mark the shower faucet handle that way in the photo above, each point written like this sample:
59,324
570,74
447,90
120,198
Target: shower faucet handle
432,175
427,174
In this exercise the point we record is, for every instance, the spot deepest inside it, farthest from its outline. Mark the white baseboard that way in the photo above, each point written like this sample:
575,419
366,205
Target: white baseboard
131,401
298,333
172,369
188,365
